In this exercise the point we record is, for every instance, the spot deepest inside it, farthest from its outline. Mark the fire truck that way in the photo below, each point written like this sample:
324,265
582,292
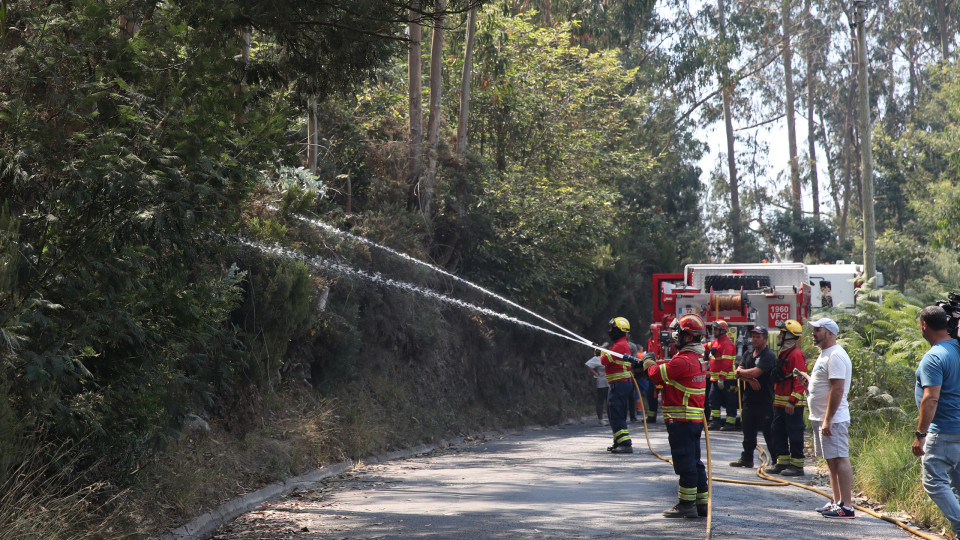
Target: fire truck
744,295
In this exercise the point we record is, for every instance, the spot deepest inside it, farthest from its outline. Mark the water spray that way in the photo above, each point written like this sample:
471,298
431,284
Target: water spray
322,263
330,228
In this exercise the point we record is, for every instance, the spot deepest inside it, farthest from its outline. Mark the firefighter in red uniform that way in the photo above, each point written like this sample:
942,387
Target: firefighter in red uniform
723,378
788,403
620,377
684,380
652,394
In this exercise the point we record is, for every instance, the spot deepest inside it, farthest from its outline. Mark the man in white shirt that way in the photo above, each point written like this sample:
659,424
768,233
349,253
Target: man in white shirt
596,368
829,384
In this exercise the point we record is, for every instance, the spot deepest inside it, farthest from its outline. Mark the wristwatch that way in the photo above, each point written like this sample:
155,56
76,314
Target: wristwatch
919,434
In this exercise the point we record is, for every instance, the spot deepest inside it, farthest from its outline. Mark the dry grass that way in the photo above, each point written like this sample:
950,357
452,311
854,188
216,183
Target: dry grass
204,470
41,499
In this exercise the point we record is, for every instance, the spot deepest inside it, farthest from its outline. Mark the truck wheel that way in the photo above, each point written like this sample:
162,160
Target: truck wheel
723,282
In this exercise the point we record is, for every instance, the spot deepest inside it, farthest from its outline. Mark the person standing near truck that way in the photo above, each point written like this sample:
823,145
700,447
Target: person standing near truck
789,401
723,378
829,415
757,395
652,394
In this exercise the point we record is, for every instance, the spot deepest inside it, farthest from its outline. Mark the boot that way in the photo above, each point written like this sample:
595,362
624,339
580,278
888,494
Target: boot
651,419
683,509
623,449
702,510
793,470
715,424
741,463
776,469
728,427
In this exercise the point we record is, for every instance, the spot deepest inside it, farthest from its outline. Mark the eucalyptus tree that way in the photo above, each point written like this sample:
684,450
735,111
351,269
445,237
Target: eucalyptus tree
466,79
557,124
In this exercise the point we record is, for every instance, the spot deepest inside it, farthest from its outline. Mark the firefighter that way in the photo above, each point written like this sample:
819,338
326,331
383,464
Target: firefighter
723,378
652,393
620,378
788,403
684,380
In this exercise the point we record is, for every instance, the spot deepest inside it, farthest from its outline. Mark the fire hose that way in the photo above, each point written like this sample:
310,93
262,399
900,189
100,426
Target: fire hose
769,481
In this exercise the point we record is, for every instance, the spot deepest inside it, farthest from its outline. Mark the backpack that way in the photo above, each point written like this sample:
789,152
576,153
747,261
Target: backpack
778,374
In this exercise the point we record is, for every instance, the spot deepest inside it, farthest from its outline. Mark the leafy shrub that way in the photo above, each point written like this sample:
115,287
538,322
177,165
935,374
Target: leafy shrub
280,305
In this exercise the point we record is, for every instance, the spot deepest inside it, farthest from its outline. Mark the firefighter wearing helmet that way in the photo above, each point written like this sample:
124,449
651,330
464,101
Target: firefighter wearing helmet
789,400
620,378
684,380
723,378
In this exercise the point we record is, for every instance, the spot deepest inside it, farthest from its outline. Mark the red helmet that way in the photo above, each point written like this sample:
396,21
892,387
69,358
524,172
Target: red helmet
690,323
720,323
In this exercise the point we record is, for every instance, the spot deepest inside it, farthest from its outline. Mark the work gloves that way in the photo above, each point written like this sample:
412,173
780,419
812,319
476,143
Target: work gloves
649,359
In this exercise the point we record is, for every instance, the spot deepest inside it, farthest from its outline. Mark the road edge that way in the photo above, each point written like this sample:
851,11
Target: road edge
202,526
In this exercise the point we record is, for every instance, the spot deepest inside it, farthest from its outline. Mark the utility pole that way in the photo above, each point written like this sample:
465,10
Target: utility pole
866,146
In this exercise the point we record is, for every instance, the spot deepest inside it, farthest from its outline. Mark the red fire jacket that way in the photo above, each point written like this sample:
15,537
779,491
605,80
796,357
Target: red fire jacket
721,363
791,389
684,380
616,368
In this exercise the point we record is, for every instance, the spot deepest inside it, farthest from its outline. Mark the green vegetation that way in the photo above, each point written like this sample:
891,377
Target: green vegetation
147,148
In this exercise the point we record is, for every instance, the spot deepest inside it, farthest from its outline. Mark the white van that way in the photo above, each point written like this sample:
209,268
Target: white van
832,285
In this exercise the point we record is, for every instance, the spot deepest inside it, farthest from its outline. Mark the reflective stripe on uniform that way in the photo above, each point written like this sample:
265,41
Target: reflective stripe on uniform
783,401
684,411
626,374
732,374
621,437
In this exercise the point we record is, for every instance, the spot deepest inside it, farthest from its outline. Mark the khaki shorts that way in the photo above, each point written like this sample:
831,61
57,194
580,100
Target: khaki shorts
834,446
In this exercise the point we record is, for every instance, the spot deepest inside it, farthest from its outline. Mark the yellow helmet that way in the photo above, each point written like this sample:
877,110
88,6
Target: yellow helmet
790,326
621,323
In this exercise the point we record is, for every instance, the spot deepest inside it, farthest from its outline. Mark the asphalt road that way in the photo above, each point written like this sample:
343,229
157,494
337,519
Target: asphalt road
548,483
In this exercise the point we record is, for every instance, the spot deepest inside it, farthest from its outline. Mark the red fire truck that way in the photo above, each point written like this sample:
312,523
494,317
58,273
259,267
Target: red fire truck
744,295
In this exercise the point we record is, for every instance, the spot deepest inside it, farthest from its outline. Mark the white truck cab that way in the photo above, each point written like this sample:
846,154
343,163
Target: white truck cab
833,285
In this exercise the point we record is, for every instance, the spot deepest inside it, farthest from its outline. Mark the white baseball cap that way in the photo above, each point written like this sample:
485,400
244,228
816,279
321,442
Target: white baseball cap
827,323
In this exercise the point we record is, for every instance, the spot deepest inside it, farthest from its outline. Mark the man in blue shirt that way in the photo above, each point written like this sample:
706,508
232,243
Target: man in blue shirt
938,429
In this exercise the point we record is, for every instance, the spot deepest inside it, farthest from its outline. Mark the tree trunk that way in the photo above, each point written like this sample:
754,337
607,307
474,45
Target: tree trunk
811,124
849,139
914,77
943,28
313,138
465,80
866,152
832,160
433,124
130,23
734,221
415,90
797,201
847,175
